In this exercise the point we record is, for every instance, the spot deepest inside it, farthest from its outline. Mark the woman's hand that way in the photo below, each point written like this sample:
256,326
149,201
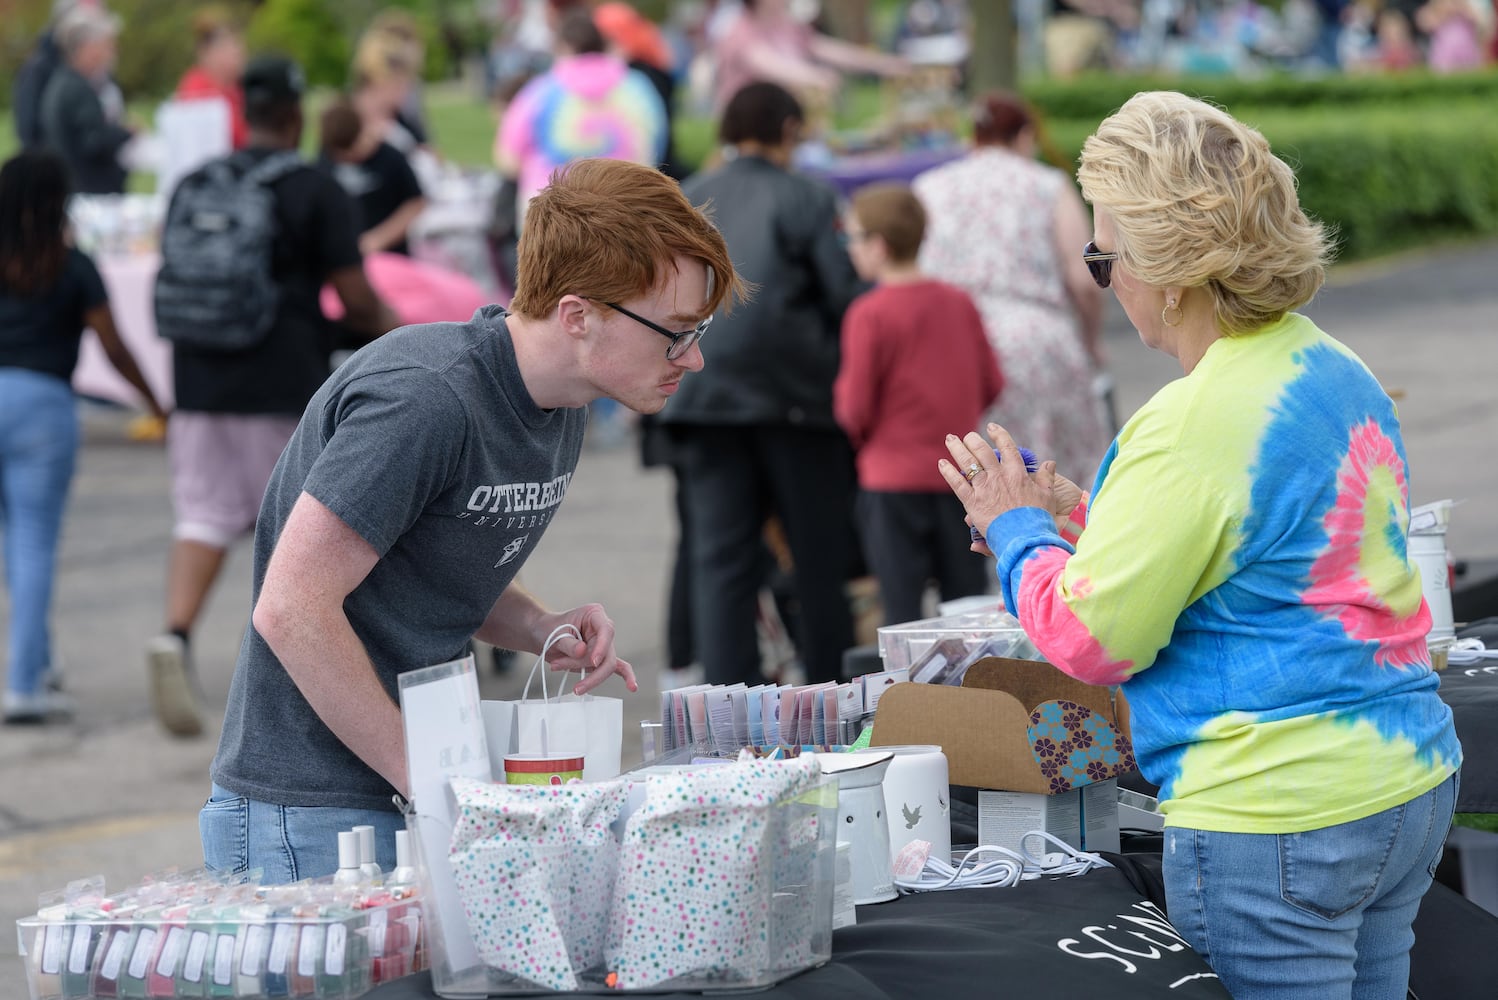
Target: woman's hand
988,487
979,545
1065,496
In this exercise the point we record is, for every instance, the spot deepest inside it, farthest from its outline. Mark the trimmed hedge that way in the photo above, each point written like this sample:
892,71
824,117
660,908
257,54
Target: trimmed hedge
1099,95
1383,178
1388,181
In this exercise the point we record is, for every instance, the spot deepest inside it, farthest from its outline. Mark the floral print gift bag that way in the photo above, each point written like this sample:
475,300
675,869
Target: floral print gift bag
695,867
535,867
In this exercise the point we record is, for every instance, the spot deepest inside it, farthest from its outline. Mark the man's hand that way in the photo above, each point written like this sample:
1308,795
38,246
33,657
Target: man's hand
594,655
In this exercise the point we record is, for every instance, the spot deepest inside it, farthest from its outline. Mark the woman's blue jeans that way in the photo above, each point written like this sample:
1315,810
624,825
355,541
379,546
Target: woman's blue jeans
1320,915
38,451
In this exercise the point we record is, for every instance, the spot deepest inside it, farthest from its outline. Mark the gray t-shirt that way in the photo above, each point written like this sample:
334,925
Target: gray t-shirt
428,445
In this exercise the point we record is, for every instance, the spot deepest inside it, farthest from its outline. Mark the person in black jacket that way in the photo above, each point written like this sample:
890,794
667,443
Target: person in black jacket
754,433
31,83
74,119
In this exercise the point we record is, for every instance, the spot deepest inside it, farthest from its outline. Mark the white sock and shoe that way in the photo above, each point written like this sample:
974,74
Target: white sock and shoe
44,705
172,687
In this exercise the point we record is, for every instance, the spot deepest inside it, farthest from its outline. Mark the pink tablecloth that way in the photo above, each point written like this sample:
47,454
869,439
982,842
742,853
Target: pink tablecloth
129,280
418,292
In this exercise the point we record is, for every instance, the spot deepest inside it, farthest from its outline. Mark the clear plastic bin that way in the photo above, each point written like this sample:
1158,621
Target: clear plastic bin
197,949
938,650
791,904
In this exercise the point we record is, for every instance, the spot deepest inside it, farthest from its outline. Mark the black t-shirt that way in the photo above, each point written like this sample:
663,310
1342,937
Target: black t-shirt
40,332
380,184
316,235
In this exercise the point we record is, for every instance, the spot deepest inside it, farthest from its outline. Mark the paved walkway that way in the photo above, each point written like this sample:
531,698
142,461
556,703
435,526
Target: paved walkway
111,794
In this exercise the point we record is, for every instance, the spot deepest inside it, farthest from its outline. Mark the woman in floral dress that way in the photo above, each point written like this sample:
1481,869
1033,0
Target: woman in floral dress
1009,231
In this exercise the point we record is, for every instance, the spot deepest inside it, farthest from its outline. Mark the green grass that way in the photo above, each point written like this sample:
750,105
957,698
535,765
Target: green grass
463,127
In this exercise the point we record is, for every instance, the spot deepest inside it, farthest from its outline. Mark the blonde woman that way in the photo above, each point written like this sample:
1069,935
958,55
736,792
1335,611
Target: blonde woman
1242,572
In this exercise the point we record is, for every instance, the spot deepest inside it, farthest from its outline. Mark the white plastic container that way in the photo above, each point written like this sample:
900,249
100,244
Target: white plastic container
1427,550
917,793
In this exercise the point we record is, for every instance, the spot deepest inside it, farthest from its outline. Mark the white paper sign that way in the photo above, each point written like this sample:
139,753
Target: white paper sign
189,134
444,732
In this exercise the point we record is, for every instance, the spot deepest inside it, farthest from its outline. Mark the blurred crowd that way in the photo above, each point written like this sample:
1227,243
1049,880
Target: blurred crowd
808,501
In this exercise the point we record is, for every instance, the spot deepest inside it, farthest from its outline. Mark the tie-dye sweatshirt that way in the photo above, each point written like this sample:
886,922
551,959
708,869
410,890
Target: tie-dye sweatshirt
1243,575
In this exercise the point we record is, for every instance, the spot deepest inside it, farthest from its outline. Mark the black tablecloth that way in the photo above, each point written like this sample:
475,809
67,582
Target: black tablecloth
1092,935
1045,939
1472,693
1474,589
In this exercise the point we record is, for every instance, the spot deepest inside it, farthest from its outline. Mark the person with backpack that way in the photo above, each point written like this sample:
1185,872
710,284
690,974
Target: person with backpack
249,241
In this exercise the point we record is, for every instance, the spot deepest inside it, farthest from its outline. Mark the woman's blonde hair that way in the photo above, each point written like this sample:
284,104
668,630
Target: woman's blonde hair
1198,200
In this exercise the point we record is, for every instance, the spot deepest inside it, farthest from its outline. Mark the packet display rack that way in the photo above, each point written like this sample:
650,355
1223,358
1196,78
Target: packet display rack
213,941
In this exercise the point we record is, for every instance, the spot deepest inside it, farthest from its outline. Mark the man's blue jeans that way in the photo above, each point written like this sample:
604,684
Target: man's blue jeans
1324,915
286,843
38,451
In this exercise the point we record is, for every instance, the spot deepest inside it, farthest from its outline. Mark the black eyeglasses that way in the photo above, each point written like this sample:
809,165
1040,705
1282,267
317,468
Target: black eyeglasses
681,342
1100,264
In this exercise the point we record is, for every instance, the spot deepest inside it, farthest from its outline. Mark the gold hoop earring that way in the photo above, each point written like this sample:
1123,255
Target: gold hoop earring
1165,314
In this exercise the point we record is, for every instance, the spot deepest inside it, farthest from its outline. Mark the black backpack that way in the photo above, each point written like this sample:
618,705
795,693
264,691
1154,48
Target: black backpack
215,289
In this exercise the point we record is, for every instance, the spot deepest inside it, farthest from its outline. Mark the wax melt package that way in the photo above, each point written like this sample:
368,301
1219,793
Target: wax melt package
198,935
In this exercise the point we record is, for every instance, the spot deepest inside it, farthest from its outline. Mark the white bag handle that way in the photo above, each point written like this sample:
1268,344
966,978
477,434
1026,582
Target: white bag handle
558,633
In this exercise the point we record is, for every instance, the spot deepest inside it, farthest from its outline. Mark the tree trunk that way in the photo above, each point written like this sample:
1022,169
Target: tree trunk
993,65
847,19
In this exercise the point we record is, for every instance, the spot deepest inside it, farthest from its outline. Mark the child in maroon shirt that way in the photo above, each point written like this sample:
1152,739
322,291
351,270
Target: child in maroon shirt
915,364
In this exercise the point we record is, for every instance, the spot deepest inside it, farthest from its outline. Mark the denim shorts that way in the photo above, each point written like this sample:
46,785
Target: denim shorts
285,843
1325,914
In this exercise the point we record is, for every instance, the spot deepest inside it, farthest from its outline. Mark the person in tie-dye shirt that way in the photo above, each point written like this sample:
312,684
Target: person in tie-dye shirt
589,104
1241,571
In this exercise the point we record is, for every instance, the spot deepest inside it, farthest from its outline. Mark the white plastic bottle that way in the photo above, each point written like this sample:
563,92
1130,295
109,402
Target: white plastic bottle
402,885
367,863
404,873
348,872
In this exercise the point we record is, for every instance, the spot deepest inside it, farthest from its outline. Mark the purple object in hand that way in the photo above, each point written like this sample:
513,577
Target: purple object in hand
1032,464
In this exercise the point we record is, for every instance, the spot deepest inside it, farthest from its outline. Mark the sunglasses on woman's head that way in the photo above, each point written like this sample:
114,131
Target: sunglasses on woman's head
1099,264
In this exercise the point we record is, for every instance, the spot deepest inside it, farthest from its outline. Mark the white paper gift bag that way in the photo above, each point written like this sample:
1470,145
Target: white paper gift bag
589,726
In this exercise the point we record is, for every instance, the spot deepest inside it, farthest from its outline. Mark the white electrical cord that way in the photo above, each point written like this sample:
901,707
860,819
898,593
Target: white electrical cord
1469,652
995,866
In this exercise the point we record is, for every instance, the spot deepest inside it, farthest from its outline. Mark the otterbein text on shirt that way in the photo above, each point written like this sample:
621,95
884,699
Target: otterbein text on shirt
509,498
